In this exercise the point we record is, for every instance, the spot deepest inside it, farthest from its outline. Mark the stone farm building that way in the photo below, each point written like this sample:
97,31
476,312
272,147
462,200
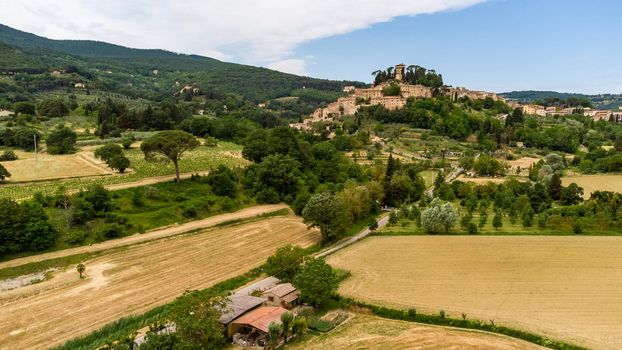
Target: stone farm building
284,294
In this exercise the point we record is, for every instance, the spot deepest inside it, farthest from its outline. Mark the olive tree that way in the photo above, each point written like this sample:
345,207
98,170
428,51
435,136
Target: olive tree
439,216
81,268
169,145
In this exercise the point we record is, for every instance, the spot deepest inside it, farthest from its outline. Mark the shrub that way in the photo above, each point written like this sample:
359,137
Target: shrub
189,212
4,173
108,231
151,192
138,197
8,156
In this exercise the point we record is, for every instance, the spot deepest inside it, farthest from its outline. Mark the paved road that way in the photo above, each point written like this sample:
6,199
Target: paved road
166,231
344,243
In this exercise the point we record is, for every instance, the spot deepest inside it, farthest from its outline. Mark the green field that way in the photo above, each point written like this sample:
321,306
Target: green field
200,160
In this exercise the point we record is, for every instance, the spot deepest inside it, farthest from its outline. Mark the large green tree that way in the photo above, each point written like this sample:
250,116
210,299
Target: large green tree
61,140
325,211
108,151
196,317
169,145
276,178
317,281
285,263
24,227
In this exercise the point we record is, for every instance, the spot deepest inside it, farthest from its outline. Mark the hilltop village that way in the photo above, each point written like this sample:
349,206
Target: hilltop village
393,94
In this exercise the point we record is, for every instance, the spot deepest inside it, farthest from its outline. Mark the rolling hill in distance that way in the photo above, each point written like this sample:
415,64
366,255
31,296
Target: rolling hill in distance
151,74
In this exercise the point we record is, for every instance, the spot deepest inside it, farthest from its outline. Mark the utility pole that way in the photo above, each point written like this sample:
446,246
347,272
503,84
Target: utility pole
36,155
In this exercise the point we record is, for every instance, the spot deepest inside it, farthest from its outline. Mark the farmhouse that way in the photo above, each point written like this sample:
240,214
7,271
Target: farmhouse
284,295
236,306
252,328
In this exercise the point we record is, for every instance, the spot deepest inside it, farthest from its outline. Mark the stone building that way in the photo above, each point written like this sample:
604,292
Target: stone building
399,72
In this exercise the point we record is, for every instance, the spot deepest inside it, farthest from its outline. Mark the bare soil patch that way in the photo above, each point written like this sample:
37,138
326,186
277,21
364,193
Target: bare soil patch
139,278
567,288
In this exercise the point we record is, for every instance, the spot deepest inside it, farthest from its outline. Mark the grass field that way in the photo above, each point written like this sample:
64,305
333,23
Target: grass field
200,160
428,176
565,288
375,333
591,183
48,167
137,278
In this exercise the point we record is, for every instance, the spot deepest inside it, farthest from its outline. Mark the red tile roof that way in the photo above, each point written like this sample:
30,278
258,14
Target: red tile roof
261,318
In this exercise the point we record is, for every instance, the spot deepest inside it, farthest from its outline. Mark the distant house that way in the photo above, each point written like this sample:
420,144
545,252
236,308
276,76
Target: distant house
79,85
348,88
601,115
4,113
284,295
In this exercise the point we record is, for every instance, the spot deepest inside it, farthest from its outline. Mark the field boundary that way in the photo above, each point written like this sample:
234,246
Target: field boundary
148,236
441,320
65,261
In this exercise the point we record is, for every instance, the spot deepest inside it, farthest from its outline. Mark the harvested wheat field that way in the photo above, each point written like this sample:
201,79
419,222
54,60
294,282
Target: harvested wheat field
47,167
591,183
375,333
139,278
566,288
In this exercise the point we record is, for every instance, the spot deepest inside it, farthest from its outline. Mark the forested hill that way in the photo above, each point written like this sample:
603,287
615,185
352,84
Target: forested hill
86,48
602,101
130,72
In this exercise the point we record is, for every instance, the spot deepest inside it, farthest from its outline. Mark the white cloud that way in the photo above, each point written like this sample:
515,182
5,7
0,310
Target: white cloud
257,32
291,65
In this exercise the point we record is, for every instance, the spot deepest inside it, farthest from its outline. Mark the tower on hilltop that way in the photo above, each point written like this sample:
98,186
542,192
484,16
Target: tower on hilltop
399,72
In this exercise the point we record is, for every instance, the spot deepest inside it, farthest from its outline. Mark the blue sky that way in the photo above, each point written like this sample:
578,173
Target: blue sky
495,45
501,45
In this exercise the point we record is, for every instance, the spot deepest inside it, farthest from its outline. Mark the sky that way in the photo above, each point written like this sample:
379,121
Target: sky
493,45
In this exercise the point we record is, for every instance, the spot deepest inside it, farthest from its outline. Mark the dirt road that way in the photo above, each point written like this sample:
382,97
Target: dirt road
384,220
136,279
150,235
